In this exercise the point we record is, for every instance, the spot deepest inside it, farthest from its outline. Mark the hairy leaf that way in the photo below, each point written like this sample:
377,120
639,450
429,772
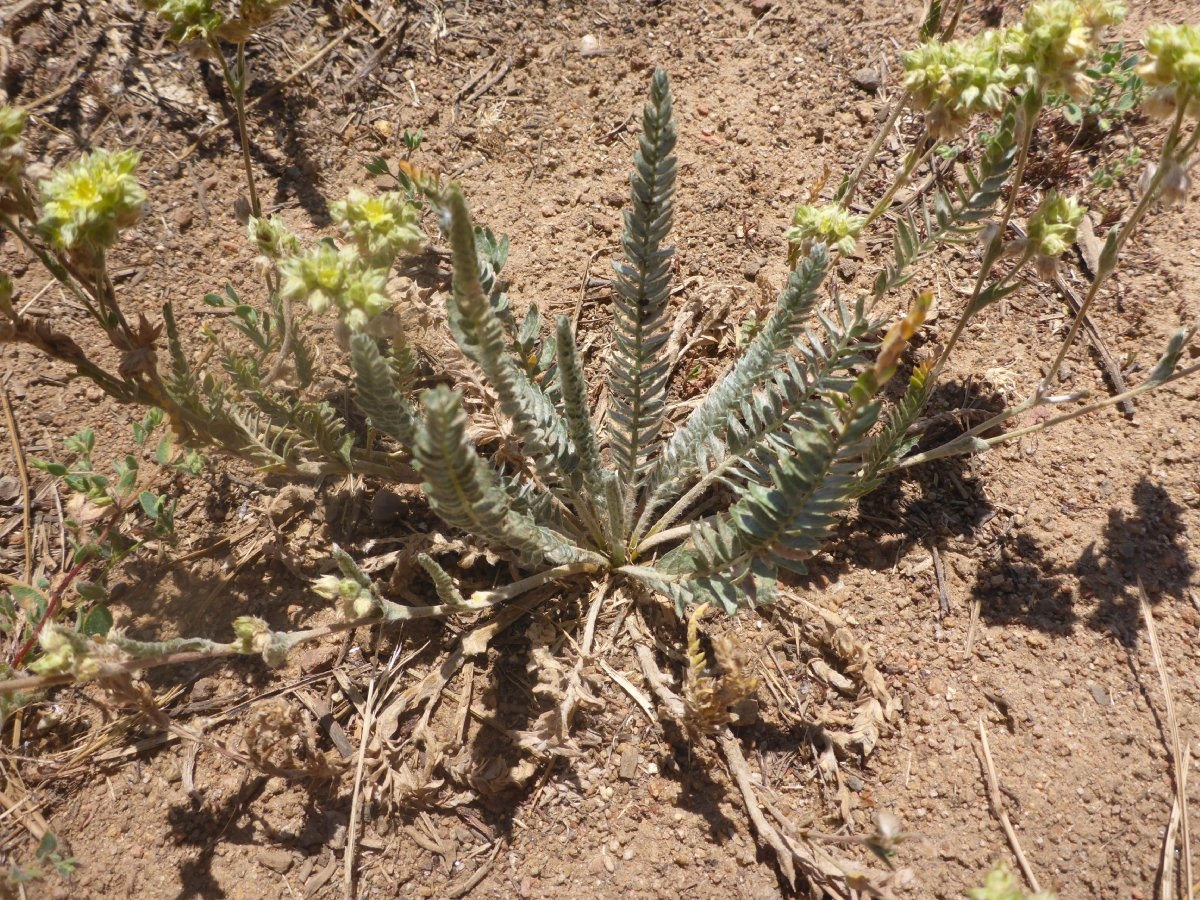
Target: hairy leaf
638,368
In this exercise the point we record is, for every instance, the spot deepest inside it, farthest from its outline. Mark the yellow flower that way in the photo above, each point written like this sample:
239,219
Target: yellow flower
325,277
87,203
187,20
382,226
1053,226
830,224
1173,65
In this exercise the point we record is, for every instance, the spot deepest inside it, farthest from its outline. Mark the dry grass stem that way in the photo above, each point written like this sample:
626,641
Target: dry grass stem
997,805
1179,750
14,435
377,691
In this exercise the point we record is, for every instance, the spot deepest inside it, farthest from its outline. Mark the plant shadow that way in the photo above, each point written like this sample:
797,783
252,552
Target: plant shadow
234,821
1146,545
1021,584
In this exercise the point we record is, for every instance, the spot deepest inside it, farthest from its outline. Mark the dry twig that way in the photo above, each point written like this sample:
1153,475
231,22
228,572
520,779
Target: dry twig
1179,750
379,687
993,786
26,501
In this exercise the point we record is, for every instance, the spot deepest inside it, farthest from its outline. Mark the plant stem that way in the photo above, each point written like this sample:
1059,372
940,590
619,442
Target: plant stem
897,107
1109,260
534,581
1031,105
991,253
236,80
961,445
53,266
915,157
964,443
56,596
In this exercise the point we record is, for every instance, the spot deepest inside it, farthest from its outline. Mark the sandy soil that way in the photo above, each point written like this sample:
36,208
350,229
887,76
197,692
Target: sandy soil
534,108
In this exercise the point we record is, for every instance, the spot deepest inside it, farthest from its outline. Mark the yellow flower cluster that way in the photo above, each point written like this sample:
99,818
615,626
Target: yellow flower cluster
382,226
829,224
1052,227
1048,50
87,203
325,276
1173,67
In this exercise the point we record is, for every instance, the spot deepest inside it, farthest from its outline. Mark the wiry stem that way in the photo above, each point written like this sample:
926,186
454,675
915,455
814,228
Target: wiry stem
1031,104
991,253
53,266
236,79
917,155
968,443
1109,259
897,107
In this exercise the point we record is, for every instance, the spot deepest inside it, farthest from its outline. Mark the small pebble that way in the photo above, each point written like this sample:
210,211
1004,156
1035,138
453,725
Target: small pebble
866,79
275,860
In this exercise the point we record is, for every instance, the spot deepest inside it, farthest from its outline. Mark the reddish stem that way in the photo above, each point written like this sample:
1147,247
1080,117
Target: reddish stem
55,600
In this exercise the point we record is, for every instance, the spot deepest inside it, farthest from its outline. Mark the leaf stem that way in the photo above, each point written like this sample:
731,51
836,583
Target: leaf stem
968,443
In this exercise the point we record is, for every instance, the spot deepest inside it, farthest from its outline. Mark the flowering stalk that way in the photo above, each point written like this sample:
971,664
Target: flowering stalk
969,440
1112,248
920,152
889,121
236,79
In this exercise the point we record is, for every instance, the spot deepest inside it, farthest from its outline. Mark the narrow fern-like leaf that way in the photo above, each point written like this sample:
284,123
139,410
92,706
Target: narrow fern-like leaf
639,369
952,219
579,424
481,335
777,523
680,458
465,492
379,395
446,589
883,450
756,428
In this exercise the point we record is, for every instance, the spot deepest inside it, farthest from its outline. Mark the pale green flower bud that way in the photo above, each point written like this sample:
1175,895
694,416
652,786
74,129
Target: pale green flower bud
65,650
1052,228
87,203
253,635
1173,60
273,238
187,20
1053,44
12,148
325,277
955,81
1101,14
830,224
58,653
353,600
382,226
